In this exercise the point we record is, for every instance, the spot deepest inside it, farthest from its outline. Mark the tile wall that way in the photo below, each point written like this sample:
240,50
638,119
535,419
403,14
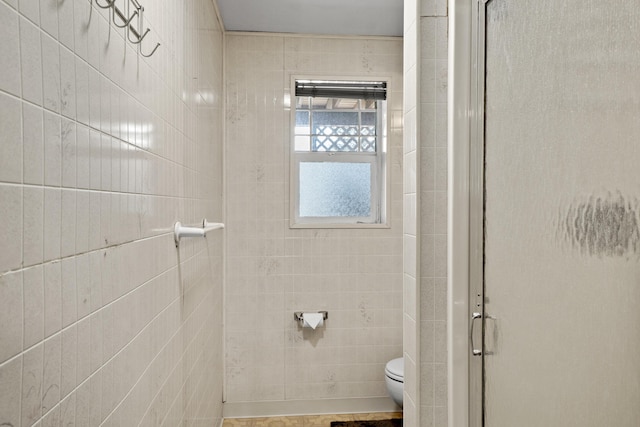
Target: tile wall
425,218
411,236
433,212
272,270
103,321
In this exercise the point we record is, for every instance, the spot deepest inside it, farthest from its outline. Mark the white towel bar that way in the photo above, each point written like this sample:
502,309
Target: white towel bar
181,231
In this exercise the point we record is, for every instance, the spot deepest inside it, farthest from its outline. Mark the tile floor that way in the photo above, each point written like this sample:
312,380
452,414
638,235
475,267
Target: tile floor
306,420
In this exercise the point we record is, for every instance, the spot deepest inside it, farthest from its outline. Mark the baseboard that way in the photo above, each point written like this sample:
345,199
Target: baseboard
308,407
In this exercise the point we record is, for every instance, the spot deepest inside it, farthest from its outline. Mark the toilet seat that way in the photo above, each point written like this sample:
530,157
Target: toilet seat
395,369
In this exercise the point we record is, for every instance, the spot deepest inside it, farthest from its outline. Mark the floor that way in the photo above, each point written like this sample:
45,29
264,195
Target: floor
307,420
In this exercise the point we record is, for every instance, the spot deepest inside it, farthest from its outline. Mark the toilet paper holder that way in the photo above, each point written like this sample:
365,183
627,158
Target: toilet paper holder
297,315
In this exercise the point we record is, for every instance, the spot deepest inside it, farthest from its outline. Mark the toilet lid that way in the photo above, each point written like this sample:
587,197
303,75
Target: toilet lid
395,369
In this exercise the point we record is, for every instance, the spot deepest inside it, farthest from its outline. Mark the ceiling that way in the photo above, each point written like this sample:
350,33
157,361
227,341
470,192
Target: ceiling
338,17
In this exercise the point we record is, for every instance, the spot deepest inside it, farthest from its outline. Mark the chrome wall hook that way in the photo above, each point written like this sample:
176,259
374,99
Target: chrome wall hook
109,4
117,11
152,52
141,36
126,21
135,34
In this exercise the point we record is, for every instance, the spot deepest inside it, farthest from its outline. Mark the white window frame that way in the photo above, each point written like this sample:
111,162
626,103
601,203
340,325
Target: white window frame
379,217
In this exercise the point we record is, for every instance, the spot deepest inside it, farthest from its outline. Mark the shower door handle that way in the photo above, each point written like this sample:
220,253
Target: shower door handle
475,316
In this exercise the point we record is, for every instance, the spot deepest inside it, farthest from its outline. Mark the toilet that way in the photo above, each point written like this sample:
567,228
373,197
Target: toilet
394,378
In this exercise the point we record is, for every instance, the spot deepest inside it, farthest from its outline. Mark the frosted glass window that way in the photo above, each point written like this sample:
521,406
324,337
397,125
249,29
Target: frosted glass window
338,159
330,189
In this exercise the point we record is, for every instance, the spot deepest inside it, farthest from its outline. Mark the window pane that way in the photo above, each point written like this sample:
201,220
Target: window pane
334,143
368,130
333,189
369,119
335,118
302,123
302,143
335,131
368,145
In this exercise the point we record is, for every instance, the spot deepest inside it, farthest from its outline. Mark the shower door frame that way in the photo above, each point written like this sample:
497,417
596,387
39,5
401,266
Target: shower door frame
465,211
466,100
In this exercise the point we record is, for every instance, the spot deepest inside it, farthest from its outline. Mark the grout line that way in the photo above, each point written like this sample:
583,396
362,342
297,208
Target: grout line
89,252
182,325
147,282
104,363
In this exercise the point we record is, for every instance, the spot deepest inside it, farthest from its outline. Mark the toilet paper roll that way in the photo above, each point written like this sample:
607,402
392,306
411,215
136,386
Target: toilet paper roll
312,320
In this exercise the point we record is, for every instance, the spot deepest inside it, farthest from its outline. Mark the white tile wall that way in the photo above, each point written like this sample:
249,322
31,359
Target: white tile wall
412,205
9,50
425,257
101,151
272,271
433,213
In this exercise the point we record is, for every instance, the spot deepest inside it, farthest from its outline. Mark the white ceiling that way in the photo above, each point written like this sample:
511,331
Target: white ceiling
339,17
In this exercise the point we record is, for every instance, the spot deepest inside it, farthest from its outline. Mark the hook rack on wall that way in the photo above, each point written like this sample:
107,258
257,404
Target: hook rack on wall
127,19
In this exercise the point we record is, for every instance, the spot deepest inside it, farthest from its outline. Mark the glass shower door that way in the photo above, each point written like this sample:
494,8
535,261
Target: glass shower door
562,212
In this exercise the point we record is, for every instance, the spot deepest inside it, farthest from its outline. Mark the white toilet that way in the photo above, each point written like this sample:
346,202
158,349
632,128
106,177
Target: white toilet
394,377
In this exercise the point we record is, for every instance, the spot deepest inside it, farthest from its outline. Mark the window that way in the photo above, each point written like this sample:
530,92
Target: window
338,153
